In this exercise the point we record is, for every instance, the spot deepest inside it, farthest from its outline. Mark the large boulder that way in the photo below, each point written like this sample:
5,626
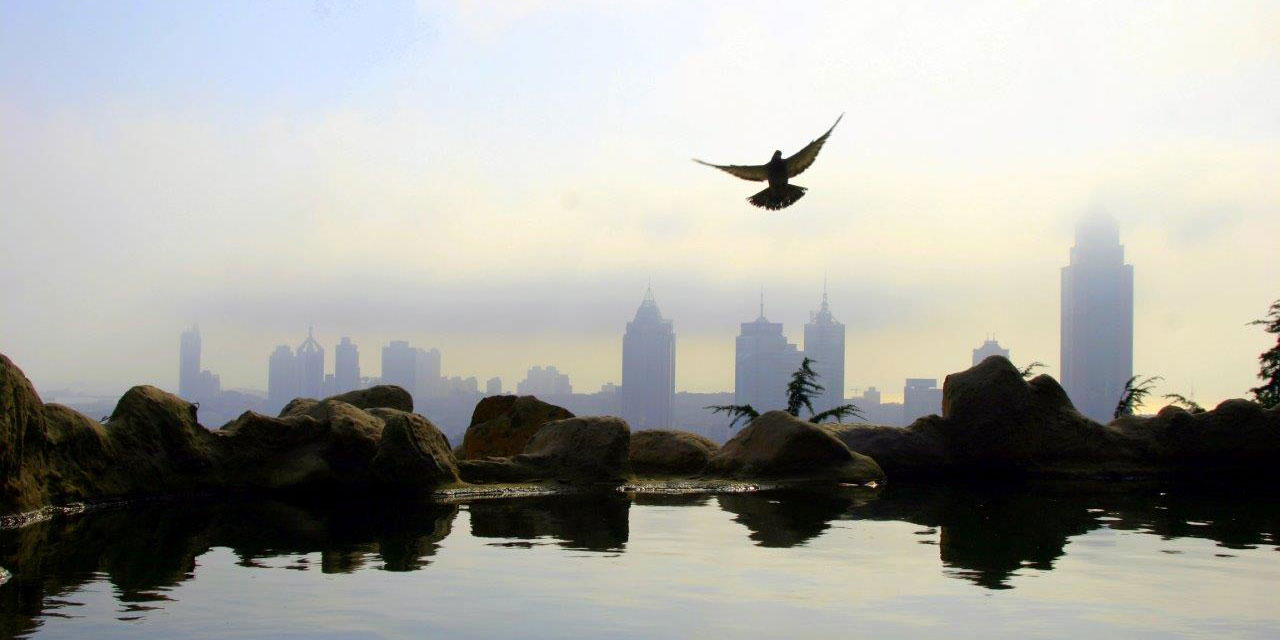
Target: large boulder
660,452
159,444
21,439
917,451
590,449
412,453
782,446
502,426
382,396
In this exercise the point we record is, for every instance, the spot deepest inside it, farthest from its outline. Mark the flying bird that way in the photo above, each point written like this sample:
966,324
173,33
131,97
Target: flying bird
779,194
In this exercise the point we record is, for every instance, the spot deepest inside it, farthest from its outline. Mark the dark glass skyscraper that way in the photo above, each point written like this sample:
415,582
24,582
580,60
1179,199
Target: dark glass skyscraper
648,368
1097,319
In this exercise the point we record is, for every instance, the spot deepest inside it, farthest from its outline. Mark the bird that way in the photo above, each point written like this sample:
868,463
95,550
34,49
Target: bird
779,194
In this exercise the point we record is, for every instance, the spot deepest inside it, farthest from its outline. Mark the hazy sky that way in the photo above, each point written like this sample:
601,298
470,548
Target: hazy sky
501,180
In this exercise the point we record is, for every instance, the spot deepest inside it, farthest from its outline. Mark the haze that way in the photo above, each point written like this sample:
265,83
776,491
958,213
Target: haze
503,180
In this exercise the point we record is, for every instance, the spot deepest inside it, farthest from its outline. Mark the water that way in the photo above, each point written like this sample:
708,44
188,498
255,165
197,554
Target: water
909,562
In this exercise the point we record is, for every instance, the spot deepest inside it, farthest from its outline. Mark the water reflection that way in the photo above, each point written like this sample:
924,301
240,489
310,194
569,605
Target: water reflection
585,522
983,535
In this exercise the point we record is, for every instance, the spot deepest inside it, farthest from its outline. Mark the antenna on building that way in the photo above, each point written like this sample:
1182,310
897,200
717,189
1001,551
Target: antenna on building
761,301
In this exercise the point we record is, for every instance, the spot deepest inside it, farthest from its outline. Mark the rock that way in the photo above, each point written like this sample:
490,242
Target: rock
158,443
592,449
382,396
780,445
661,452
501,426
915,452
21,418
412,453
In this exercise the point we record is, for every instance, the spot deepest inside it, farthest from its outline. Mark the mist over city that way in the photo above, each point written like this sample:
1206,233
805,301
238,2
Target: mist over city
480,318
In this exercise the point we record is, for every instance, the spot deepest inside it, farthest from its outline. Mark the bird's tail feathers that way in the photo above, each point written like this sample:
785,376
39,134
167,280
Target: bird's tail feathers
781,198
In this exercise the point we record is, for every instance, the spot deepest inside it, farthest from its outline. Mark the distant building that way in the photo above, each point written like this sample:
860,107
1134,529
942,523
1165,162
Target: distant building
282,377
413,368
764,362
346,366
1097,319
875,411
824,344
189,362
310,357
544,382
988,349
648,368
493,386
458,384
920,397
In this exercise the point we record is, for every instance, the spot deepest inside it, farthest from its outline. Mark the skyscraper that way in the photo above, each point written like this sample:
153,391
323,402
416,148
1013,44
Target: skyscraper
764,362
413,368
310,357
346,366
648,368
920,397
1097,319
282,377
189,363
544,382
989,348
824,344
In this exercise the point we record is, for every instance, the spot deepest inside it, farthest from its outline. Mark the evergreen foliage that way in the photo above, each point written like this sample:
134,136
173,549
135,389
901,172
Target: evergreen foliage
1268,393
800,393
1134,393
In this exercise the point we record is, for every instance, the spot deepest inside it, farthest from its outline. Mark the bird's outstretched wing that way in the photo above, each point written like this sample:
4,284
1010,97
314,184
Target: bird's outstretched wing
753,172
797,163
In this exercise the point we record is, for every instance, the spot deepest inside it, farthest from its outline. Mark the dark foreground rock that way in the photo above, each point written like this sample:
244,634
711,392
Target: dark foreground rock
780,445
660,452
153,444
995,423
590,449
502,426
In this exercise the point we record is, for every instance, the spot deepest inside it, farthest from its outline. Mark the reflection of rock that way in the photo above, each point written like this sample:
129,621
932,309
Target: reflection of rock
594,522
501,426
152,444
592,449
788,518
994,422
671,499
148,549
659,452
780,445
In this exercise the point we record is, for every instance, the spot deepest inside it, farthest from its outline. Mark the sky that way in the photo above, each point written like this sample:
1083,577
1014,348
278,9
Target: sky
503,180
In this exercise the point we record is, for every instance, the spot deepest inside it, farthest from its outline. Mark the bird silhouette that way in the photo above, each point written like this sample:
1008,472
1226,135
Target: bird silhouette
779,194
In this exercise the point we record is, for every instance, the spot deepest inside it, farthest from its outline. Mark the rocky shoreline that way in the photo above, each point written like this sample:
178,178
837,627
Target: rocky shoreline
56,461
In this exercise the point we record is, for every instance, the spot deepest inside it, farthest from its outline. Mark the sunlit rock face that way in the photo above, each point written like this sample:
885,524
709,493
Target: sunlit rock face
780,445
501,426
662,452
587,449
996,423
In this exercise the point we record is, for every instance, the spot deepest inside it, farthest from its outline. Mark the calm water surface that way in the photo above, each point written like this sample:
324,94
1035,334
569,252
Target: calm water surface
960,562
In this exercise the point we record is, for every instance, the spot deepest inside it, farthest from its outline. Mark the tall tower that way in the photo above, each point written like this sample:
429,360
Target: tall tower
648,368
764,362
310,357
1097,319
282,377
824,344
988,349
346,366
189,363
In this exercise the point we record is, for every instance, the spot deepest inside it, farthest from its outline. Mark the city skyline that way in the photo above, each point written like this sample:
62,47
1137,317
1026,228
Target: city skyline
317,174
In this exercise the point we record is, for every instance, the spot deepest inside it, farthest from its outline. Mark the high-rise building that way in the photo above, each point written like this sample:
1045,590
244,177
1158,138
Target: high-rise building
282,377
1097,319
310,357
648,368
988,349
189,363
415,369
547,381
493,386
824,345
764,363
920,397
346,366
